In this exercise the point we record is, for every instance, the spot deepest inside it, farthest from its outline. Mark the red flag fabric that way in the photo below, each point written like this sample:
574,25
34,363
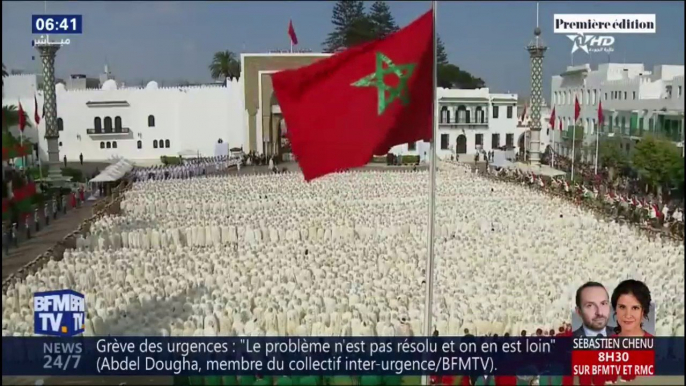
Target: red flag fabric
601,117
36,118
291,33
22,118
380,92
561,125
552,119
577,109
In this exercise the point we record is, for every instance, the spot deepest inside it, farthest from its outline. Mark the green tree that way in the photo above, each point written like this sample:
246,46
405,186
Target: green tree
451,76
10,117
360,31
345,14
382,19
225,65
441,55
658,163
611,154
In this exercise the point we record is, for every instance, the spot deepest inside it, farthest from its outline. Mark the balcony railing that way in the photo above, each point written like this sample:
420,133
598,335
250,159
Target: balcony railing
119,130
464,125
673,135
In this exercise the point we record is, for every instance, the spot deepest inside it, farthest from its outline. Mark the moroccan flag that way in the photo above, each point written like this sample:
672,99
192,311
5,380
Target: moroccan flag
291,33
380,94
36,118
577,109
601,117
22,118
551,122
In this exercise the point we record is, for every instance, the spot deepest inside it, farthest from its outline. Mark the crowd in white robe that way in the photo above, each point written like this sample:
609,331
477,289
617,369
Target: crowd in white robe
189,168
345,255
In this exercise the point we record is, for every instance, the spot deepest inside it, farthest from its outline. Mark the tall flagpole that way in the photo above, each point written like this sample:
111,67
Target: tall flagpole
428,306
573,143
597,134
552,147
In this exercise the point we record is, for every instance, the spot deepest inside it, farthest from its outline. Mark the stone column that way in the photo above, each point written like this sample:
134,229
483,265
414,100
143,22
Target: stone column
252,131
536,50
47,55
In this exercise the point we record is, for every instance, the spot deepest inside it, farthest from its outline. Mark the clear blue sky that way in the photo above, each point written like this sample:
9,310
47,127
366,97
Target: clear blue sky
175,41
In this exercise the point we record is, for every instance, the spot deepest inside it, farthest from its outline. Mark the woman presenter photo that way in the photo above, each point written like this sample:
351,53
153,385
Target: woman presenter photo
631,304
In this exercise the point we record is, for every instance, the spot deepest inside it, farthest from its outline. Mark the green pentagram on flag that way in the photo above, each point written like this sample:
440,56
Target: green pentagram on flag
375,79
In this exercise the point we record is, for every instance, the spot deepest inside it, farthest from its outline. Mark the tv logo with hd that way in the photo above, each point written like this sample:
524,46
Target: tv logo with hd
592,43
59,313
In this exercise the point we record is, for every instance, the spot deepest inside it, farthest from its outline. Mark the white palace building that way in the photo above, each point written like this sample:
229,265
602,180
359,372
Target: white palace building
144,123
635,102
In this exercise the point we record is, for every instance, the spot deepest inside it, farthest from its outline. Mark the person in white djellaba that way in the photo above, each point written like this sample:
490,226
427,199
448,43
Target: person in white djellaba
272,255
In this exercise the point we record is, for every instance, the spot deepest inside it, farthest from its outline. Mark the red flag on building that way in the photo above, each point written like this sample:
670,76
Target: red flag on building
577,109
291,33
601,117
552,119
22,118
36,118
561,128
380,92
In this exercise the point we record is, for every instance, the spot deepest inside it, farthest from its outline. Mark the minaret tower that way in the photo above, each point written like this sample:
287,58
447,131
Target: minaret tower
47,55
536,50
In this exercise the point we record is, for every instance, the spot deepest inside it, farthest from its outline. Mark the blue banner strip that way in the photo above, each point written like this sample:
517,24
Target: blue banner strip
299,356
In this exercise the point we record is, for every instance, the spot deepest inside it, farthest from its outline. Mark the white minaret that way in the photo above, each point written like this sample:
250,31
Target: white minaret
536,50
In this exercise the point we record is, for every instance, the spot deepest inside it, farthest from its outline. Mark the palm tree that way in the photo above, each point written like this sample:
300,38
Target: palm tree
10,117
226,65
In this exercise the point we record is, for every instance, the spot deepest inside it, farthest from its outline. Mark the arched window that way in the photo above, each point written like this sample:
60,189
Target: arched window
166,143
117,124
461,114
60,124
445,115
108,144
151,121
114,144
140,144
97,124
102,145
161,142
108,125
480,115
154,144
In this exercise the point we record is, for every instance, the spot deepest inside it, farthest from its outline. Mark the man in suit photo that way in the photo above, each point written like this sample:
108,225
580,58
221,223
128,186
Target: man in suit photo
593,307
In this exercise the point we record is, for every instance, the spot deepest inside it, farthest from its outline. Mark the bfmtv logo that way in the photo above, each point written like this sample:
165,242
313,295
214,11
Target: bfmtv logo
59,313
592,43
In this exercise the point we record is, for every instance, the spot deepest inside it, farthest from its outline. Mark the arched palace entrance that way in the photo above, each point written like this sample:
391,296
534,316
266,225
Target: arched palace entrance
277,143
461,145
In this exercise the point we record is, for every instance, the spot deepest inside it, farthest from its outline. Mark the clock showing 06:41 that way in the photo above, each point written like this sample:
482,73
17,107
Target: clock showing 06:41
57,24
